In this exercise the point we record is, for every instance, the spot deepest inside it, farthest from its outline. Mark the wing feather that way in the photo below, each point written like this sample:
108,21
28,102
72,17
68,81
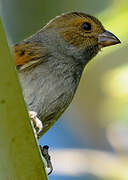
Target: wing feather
27,54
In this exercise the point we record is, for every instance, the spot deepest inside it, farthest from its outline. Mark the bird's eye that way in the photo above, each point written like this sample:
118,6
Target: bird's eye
86,26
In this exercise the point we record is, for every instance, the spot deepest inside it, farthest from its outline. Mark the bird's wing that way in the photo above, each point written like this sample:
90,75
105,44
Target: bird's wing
27,54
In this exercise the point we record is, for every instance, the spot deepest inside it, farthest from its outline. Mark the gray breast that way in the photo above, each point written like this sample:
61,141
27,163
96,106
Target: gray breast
49,90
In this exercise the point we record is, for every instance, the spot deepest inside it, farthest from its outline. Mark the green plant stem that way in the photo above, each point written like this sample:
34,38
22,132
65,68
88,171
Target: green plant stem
19,154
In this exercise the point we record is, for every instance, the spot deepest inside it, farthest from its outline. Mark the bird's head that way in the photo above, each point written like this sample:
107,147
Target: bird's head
82,32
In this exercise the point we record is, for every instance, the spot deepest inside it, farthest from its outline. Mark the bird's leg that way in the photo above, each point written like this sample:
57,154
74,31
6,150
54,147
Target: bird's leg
36,121
44,149
45,154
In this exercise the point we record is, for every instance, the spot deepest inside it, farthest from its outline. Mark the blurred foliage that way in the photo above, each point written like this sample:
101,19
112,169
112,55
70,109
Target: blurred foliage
101,102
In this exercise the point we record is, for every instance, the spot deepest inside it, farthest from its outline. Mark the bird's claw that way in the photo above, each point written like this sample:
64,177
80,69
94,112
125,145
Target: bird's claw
45,154
37,122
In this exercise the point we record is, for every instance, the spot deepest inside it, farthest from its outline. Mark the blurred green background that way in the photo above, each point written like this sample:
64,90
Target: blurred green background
92,134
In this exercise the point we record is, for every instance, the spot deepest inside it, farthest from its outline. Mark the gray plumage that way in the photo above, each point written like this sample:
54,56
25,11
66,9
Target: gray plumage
51,62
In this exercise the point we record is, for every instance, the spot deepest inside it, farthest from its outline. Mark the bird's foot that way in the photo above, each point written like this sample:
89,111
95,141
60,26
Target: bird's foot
45,154
36,121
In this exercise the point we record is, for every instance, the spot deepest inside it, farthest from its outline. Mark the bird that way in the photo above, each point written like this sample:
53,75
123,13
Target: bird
50,63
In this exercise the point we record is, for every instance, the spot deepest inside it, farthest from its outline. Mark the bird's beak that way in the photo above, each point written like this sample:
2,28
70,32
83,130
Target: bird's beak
107,39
